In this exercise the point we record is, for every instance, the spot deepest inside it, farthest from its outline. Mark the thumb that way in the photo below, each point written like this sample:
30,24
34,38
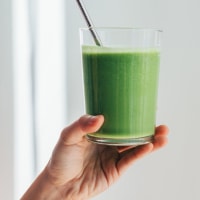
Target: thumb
76,131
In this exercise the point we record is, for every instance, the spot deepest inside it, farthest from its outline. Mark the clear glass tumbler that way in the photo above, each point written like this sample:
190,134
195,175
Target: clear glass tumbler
121,83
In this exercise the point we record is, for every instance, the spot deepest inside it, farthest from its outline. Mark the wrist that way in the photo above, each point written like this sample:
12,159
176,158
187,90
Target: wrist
42,189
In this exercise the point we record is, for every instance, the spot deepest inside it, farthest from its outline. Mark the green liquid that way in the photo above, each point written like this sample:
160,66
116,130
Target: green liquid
121,84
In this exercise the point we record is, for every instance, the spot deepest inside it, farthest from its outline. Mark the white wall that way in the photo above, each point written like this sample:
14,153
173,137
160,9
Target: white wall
172,173
6,103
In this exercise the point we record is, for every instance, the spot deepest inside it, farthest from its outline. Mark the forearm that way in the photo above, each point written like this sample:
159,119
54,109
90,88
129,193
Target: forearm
42,189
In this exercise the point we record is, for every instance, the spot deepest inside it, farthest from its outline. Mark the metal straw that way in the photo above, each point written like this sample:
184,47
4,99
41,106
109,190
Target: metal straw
89,23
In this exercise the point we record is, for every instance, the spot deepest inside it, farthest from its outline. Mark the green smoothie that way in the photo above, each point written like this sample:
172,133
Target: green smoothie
121,84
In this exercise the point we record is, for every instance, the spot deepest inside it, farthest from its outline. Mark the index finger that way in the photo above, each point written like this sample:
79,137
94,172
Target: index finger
160,137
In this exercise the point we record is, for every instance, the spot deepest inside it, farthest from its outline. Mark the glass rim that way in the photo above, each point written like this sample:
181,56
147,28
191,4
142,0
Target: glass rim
120,28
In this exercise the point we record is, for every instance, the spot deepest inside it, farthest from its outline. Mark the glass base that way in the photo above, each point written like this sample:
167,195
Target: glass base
120,141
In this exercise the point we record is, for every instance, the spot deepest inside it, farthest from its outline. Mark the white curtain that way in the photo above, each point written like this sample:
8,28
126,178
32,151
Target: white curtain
39,84
6,102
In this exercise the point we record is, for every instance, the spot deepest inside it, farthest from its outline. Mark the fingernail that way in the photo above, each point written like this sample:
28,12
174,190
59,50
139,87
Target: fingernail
92,120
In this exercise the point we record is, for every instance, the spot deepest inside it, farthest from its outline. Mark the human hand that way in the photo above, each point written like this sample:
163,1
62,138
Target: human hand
86,169
79,170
